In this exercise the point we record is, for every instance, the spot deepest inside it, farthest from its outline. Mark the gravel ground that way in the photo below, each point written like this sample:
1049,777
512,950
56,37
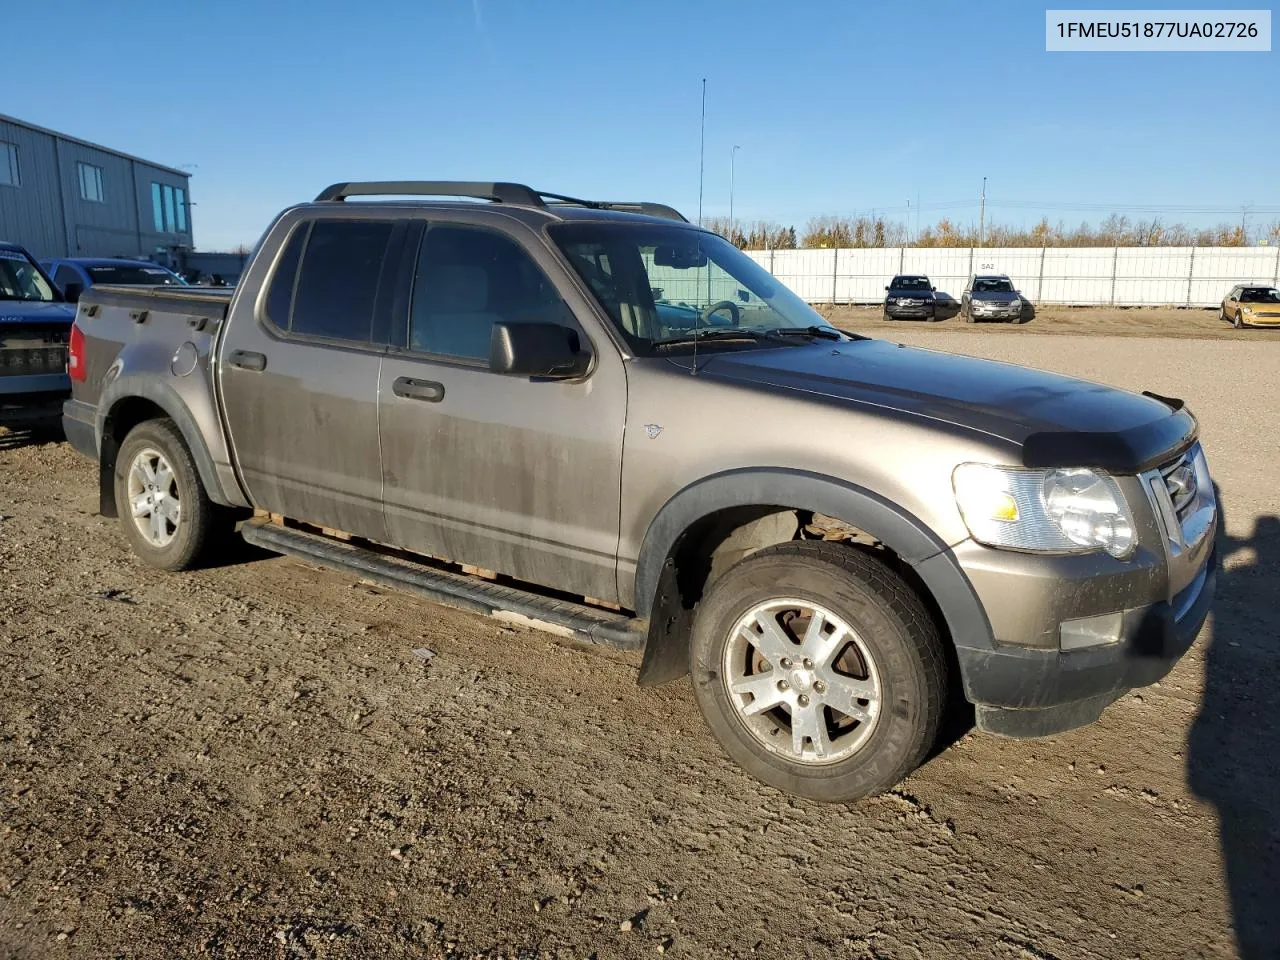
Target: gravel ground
251,761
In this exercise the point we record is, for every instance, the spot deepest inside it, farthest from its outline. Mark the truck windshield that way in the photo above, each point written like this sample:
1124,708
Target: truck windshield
666,287
992,285
20,279
135,275
910,283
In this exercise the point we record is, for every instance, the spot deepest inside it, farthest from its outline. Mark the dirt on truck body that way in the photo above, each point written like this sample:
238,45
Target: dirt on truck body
553,390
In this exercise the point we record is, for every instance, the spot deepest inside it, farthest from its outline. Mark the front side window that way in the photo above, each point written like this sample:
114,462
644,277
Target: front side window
21,279
90,182
65,275
666,286
467,280
9,173
337,286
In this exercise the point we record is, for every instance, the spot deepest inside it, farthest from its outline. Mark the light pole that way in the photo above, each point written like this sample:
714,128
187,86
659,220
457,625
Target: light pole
982,216
733,155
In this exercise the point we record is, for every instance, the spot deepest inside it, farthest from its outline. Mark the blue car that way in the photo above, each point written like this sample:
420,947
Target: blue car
35,328
74,275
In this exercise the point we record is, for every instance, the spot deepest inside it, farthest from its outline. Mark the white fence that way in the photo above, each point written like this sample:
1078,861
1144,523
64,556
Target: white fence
1123,276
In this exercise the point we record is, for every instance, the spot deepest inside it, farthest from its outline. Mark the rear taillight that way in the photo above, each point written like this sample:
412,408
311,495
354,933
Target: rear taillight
75,355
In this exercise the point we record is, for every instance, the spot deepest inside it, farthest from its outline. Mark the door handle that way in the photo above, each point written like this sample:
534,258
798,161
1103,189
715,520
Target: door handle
248,360
412,389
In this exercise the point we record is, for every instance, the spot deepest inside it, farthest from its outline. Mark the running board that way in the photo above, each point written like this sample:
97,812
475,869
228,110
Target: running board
510,604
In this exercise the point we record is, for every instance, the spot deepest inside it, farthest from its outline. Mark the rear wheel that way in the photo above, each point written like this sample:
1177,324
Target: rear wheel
1222,314
819,671
166,514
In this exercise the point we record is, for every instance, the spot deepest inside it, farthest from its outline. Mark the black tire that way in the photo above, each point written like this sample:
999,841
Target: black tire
933,314
891,624
1222,314
1239,323
886,316
967,313
197,527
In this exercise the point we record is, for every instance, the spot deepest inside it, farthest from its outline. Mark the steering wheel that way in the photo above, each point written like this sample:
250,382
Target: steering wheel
734,312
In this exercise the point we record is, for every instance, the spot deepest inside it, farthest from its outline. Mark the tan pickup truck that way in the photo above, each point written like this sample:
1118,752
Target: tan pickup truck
638,436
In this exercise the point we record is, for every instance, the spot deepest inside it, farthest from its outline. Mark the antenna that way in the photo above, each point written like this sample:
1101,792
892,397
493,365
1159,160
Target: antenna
702,148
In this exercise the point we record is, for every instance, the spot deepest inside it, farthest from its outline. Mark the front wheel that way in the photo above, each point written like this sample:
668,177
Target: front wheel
1239,321
167,517
819,671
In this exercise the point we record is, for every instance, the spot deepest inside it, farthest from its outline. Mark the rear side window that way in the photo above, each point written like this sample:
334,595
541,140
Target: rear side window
338,280
280,294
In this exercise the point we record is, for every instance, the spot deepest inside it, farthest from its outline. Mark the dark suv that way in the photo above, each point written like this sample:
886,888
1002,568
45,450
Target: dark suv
910,297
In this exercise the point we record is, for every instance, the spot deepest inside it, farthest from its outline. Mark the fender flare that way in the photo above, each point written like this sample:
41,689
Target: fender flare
905,534
167,399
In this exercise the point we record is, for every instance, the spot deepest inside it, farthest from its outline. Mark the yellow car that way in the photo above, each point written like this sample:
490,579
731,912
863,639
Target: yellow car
1252,306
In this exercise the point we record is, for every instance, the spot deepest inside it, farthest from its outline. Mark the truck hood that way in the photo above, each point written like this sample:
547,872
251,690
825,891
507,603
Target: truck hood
32,311
1054,417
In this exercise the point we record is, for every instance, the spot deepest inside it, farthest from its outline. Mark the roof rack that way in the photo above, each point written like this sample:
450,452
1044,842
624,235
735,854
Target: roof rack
499,192
632,206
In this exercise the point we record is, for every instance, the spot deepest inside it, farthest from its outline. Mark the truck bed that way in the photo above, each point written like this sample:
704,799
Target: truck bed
154,344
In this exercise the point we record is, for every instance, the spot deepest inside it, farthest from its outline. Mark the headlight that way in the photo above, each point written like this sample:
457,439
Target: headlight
1044,511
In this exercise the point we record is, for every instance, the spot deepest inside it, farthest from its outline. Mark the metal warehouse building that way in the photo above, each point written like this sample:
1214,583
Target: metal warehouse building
63,197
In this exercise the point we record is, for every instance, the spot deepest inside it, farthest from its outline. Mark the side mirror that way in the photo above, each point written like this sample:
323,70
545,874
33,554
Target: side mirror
546,350
71,292
886,288
934,289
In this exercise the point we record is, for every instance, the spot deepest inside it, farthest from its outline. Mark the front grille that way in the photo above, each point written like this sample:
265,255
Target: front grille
1180,483
1183,496
27,353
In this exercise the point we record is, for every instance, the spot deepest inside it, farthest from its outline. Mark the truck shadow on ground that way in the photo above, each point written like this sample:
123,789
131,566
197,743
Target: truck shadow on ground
1233,750
17,436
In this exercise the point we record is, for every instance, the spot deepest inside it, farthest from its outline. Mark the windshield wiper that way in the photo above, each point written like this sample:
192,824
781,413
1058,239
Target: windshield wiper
718,333
818,333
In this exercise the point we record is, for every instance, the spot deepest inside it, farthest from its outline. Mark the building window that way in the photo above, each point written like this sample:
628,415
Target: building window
157,208
90,182
170,218
9,164
168,208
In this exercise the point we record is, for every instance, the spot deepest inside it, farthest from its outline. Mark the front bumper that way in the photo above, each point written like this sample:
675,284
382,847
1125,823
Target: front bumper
1260,321
1000,312
915,312
32,397
1029,692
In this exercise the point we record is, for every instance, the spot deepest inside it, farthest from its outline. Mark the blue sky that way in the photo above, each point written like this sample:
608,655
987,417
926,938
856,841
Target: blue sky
838,107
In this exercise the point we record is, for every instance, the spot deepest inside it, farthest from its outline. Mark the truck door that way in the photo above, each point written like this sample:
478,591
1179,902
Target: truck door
299,374
517,476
